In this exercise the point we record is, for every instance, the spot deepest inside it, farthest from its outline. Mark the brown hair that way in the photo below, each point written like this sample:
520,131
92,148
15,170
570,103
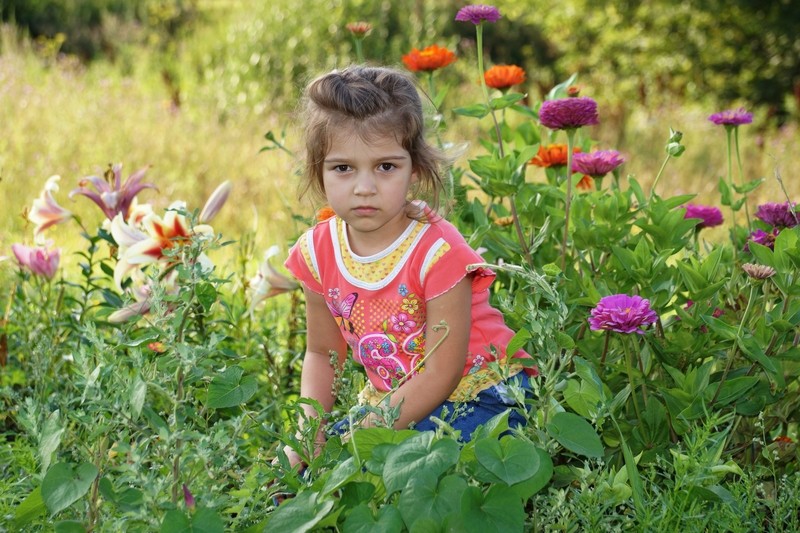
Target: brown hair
374,102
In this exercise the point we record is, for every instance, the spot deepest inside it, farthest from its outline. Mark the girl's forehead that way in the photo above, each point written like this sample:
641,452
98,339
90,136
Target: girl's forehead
351,141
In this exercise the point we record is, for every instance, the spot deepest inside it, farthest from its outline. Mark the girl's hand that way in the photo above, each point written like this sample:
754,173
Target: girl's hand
294,457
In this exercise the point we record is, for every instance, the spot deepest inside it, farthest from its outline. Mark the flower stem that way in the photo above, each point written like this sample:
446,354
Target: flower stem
359,50
731,354
741,175
629,369
479,44
658,176
570,143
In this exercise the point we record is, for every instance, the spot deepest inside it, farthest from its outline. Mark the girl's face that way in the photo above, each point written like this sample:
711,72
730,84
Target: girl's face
366,183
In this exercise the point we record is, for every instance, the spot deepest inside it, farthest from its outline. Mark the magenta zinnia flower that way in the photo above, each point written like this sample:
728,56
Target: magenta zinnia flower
763,238
477,13
731,117
597,163
622,313
110,194
778,215
568,113
709,215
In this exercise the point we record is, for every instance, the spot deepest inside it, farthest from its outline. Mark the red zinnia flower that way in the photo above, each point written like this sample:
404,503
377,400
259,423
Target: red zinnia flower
428,59
586,183
504,76
552,155
359,29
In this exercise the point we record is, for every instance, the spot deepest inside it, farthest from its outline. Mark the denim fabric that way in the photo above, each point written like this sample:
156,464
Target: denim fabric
467,416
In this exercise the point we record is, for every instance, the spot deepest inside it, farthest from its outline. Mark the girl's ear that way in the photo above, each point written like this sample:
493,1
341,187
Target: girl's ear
414,176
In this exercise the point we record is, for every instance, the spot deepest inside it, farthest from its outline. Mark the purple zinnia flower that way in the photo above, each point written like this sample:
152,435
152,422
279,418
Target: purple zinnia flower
709,215
568,113
477,13
622,313
778,215
597,163
763,238
731,117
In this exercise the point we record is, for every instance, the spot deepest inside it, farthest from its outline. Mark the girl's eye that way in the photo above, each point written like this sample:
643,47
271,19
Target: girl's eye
386,167
341,168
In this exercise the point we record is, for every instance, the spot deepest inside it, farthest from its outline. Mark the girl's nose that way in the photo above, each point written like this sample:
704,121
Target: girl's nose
365,184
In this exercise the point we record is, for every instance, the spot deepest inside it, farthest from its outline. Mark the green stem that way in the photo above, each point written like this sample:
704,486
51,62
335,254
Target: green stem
658,176
359,50
479,43
741,175
570,144
731,354
629,369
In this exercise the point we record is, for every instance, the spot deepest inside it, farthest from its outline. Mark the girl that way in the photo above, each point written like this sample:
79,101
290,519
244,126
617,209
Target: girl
386,276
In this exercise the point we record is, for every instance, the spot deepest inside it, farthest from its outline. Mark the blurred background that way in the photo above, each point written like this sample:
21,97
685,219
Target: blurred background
191,88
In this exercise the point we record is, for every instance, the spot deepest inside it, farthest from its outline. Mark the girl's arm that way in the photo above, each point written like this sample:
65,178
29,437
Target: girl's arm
316,379
445,367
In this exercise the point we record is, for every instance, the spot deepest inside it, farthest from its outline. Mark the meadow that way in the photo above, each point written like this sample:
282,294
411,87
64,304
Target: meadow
159,396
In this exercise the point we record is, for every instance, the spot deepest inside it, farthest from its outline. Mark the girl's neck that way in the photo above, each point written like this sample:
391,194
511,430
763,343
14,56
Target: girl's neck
364,246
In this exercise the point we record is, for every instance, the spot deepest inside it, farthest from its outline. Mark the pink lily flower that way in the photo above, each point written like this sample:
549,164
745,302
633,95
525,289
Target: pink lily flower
40,260
268,282
110,194
46,211
215,202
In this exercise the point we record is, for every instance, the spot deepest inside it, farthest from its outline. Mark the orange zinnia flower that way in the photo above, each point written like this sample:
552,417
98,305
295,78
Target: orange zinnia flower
429,59
504,76
325,213
359,29
552,155
586,184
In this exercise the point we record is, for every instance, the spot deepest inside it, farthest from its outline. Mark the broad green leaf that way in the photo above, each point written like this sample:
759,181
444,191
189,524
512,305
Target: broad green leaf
575,434
69,526
175,522
499,510
365,440
206,295
230,389
637,488
138,395
65,483
361,520
529,487
582,397
299,514
30,508
510,459
732,389
474,110
560,90
427,497
518,341
720,327
50,439
749,186
410,457
506,100
755,352
340,475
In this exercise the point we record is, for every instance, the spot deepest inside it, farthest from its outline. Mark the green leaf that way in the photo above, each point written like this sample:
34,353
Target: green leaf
755,352
518,341
749,186
529,487
732,389
427,497
499,510
474,110
50,438
575,434
69,526
206,295
301,513
230,389
29,509
410,457
340,475
582,397
361,520
138,395
505,101
65,483
366,440
511,460
560,90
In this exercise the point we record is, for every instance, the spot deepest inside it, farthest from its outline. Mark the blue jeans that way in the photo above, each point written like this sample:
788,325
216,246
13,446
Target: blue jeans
467,416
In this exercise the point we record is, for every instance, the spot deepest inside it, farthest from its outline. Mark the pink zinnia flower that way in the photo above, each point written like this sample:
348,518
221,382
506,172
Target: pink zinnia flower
110,194
709,216
731,117
778,215
477,13
622,313
568,113
46,211
402,322
40,260
597,163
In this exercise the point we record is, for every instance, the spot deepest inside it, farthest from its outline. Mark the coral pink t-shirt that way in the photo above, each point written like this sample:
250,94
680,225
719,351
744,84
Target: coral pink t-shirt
379,301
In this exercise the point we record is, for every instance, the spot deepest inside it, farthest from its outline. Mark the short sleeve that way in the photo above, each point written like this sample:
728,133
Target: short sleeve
445,265
302,263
